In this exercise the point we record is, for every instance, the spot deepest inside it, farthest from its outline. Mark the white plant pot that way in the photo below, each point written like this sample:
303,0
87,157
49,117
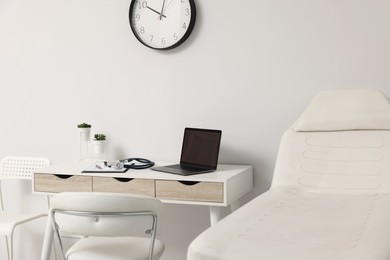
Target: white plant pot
99,147
85,134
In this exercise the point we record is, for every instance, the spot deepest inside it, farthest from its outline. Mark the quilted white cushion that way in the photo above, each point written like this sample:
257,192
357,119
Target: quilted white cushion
334,162
346,109
286,224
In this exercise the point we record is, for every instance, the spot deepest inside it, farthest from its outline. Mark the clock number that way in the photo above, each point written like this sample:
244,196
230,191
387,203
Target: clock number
184,26
187,13
142,30
175,37
137,17
163,41
144,4
151,38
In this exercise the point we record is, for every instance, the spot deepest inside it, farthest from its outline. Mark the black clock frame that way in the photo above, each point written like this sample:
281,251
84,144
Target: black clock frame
183,39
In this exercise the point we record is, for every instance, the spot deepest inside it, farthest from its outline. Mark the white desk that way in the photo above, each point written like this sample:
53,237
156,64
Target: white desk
216,189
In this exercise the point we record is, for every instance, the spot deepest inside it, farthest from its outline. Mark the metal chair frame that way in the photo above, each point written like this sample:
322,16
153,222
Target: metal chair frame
97,215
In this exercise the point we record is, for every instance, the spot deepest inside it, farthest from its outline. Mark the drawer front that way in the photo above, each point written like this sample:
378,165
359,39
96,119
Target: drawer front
124,185
61,183
190,191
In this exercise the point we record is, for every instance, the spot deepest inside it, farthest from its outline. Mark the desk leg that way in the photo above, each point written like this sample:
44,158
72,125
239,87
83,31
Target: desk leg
215,214
48,243
234,206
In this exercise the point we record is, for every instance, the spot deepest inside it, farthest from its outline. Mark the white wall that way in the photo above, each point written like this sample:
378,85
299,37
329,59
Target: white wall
249,68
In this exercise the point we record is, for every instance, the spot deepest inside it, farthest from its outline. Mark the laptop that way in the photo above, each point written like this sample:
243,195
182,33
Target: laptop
199,152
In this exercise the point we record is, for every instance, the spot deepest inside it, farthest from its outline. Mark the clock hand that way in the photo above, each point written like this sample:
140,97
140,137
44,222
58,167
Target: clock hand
162,9
168,5
160,14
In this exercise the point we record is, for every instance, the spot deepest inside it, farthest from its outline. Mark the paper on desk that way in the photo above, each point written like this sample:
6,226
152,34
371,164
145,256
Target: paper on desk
101,167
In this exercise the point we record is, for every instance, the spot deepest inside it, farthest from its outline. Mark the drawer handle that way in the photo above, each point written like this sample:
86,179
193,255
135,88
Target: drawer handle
124,179
63,176
189,183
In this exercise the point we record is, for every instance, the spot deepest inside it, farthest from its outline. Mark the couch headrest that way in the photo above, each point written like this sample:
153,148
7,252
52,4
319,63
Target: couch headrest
346,109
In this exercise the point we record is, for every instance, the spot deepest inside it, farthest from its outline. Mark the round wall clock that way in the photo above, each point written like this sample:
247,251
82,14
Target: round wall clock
162,24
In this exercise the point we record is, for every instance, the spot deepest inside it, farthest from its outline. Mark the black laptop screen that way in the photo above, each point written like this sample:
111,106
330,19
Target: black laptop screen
201,147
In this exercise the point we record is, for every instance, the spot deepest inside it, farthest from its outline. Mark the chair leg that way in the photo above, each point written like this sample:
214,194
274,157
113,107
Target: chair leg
54,247
8,240
6,244
54,251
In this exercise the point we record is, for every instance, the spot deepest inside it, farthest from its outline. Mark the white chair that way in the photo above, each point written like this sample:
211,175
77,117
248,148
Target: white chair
330,193
106,223
16,168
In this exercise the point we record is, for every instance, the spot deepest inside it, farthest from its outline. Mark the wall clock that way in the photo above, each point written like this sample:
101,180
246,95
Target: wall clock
162,24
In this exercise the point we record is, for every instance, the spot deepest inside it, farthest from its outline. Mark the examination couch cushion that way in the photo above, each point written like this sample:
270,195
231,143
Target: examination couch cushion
320,227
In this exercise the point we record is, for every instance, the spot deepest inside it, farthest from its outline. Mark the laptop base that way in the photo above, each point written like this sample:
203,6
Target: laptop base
181,170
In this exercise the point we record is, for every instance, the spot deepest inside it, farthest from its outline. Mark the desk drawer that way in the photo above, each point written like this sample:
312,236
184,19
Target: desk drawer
124,185
189,191
61,183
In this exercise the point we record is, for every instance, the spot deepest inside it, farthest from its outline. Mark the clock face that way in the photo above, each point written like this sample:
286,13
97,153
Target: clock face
162,24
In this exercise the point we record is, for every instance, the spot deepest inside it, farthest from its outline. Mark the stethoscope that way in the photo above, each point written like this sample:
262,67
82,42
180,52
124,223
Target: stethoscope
137,163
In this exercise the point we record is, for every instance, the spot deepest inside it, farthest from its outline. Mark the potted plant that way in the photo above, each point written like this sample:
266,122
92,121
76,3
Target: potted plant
85,130
99,142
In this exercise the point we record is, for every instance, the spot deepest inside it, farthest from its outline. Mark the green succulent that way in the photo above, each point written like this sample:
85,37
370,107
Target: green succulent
84,125
100,137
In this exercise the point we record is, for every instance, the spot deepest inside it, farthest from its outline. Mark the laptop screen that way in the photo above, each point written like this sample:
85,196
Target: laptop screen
201,147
